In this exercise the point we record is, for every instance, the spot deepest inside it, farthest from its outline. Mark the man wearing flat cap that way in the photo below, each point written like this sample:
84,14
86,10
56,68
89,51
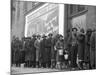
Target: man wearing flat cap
33,51
48,45
43,52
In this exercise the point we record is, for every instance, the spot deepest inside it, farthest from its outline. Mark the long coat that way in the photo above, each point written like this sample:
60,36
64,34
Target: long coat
27,51
53,51
37,46
81,46
93,49
42,51
48,45
12,52
32,49
87,49
17,54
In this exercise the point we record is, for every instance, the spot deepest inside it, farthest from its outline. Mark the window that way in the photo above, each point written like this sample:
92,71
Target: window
81,8
71,9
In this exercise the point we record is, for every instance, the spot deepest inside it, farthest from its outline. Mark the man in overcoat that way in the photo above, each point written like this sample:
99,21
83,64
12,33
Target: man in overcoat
33,51
43,54
93,50
27,52
87,48
48,45
17,54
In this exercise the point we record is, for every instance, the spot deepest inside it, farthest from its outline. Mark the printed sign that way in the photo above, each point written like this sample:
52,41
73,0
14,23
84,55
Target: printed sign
45,22
79,22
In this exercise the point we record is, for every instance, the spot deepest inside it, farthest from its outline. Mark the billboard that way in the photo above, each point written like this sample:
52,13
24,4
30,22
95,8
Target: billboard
79,22
44,20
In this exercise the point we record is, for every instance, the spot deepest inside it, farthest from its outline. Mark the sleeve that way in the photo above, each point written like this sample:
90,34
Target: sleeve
57,45
35,44
92,41
48,43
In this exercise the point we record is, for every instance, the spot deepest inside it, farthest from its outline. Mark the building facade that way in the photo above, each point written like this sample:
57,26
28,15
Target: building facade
79,16
43,20
18,11
61,18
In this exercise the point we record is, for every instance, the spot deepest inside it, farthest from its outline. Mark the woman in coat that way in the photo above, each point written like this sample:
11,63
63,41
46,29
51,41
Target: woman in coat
60,50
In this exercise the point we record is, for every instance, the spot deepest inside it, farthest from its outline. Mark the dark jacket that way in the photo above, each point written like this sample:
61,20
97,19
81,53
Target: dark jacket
53,51
48,47
17,47
81,46
87,49
43,51
93,49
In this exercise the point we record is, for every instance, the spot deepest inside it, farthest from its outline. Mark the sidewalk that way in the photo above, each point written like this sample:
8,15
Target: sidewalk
19,70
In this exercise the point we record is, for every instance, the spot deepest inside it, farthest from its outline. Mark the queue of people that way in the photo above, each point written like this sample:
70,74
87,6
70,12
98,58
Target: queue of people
48,51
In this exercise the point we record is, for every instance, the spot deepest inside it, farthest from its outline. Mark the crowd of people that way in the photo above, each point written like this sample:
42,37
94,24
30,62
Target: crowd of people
49,51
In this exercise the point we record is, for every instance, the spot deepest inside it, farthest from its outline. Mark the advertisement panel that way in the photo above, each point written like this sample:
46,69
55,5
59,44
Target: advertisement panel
79,22
43,21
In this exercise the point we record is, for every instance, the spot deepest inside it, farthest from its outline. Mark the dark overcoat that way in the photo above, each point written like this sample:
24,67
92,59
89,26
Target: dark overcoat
93,49
87,49
27,51
81,46
42,51
53,51
17,53
48,45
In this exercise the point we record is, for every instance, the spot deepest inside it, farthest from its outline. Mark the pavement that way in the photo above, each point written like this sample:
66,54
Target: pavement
24,70
19,70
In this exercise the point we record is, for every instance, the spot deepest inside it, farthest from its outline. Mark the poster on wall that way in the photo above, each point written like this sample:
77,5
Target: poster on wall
43,22
79,22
